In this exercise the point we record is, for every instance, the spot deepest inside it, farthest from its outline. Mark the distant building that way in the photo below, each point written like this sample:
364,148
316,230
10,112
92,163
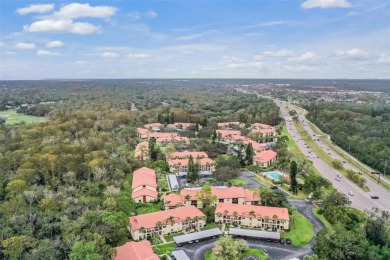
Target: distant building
180,166
228,125
232,195
265,158
142,133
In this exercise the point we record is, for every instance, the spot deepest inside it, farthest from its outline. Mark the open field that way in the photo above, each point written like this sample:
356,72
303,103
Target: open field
15,118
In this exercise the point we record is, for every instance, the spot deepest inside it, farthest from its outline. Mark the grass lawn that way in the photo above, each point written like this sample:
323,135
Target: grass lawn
251,251
15,118
239,182
211,226
149,208
301,232
164,249
169,238
323,219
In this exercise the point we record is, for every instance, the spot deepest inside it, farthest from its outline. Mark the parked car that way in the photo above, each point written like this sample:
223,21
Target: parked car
269,240
282,241
275,240
225,233
288,241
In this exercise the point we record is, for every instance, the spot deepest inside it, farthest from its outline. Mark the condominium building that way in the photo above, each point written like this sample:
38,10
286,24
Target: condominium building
144,185
274,218
166,222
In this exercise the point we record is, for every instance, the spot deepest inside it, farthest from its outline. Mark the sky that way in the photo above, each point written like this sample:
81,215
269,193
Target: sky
194,39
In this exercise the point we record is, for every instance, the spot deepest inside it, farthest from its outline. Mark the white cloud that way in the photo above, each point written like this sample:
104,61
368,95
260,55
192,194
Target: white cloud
64,25
307,56
79,62
258,57
47,53
23,45
351,54
325,4
151,14
302,68
77,10
138,15
280,53
384,59
53,44
35,9
110,55
245,65
138,55
189,37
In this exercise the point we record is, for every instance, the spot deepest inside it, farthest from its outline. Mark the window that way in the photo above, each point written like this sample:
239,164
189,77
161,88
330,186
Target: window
220,200
143,186
235,200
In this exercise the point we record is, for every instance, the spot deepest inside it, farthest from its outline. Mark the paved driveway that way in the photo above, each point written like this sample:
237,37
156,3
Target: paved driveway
277,251
252,183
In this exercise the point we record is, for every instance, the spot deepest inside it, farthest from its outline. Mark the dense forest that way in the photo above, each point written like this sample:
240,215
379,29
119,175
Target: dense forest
65,184
361,129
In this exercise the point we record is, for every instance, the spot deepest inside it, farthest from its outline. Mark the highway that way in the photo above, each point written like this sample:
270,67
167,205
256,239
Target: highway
361,200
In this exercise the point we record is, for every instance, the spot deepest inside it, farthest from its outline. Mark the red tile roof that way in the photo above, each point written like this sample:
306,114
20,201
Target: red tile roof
261,126
149,220
162,135
222,193
265,156
263,131
158,125
173,139
173,198
183,125
144,176
256,146
144,192
142,131
250,195
243,210
224,124
135,251
226,133
184,162
186,154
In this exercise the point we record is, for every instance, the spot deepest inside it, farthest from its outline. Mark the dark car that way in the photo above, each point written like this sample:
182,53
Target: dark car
269,240
282,241
274,187
374,197
288,241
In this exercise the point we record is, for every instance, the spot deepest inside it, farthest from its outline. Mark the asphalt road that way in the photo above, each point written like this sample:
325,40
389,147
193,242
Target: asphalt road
252,183
361,199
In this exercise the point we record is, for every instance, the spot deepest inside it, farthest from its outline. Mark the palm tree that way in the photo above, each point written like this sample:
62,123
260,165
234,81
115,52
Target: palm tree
252,213
196,219
266,218
142,230
219,215
188,221
187,197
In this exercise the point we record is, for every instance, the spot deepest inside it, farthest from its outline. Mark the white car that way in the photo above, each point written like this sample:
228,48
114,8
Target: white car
225,233
350,193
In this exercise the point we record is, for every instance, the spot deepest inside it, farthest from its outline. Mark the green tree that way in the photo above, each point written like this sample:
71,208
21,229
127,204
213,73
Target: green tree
377,227
293,177
249,153
272,198
339,244
337,164
226,248
16,245
214,138
84,251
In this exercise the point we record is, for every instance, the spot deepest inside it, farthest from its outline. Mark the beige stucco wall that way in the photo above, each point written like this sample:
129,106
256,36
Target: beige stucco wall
166,229
254,222
141,187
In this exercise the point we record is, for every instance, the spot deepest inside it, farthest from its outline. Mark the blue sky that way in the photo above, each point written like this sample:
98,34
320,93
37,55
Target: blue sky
195,39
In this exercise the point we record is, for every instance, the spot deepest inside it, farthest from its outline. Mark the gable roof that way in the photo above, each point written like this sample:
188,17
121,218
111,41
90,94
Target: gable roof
150,220
226,133
186,155
135,251
261,126
144,192
173,198
184,162
265,156
243,210
144,176
142,131
222,193
152,125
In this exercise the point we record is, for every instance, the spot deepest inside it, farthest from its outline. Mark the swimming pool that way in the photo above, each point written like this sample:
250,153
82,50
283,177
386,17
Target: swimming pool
274,175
